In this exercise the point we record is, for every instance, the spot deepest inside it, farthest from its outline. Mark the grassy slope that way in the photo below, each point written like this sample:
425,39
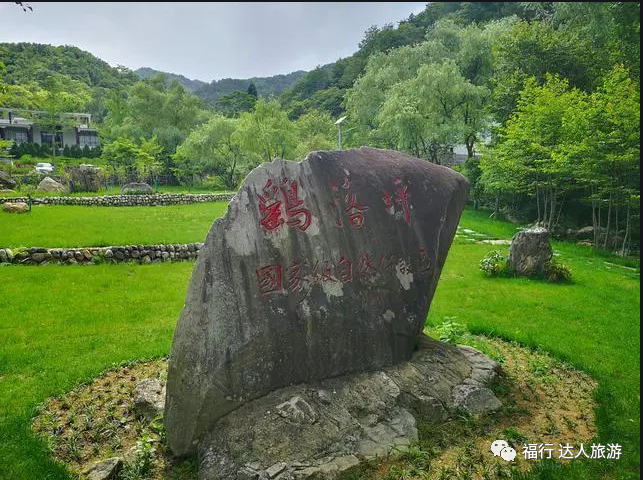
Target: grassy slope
63,325
77,226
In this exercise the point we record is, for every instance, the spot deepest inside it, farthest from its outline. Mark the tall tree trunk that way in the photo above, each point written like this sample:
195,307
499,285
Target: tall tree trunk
627,229
609,221
615,242
538,202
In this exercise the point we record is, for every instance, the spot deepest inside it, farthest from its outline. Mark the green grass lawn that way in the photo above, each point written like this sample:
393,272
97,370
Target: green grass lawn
78,226
63,325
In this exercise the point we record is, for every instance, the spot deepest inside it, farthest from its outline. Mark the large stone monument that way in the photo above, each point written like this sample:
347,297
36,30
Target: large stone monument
319,269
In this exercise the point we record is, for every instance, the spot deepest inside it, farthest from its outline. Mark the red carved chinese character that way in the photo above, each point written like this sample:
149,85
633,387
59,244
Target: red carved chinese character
402,196
366,264
269,279
294,209
355,211
294,278
388,200
347,184
270,207
344,270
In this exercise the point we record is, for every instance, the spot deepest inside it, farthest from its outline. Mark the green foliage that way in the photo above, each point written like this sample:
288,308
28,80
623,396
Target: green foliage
215,147
232,104
266,131
267,87
449,331
556,272
493,263
141,464
316,131
151,108
32,62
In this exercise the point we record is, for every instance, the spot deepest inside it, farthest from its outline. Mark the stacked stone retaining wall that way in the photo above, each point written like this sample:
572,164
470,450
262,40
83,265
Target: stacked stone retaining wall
126,200
90,255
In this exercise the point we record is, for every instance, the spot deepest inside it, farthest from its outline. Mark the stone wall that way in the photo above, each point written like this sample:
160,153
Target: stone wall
89,255
127,200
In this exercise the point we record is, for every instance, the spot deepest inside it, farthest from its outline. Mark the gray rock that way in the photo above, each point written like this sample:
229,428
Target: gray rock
319,269
135,188
3,256
149,399
474,399
6,182
84,178
529,251
48,184
15,207
40,257
357,415
105,470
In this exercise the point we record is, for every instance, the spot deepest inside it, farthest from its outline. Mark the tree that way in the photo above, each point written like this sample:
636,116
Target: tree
234,103
607,155
122,155
216,148
431,113
252,90
148,163
315,131
266,131
531,156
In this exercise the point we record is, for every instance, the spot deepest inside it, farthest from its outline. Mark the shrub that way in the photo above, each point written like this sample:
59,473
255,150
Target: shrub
493,263
450,331
557,272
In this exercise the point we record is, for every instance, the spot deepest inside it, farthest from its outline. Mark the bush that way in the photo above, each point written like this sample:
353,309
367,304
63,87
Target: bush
557,272
493,263
450,331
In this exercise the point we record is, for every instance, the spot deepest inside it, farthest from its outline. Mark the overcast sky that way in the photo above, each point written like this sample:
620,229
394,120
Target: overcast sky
205,41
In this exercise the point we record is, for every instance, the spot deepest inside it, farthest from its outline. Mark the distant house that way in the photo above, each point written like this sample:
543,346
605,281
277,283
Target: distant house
22,129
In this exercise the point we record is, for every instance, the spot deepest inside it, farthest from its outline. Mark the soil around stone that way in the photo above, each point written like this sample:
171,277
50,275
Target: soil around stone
545,401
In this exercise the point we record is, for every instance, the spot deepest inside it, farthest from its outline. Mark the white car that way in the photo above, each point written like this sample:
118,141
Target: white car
44,168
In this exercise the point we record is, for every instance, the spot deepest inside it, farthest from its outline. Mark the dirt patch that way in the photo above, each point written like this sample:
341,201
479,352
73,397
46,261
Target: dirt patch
545,402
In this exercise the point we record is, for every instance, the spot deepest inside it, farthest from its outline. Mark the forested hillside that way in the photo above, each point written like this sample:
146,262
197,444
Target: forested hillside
189,84
267,87
32,62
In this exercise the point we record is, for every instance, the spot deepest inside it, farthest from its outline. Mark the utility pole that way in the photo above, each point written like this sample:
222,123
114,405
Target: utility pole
339,133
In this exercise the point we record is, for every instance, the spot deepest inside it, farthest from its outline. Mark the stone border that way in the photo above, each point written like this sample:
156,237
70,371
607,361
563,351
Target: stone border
90,255
127,200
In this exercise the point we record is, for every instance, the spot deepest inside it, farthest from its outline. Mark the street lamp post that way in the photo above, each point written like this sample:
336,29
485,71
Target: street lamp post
339,132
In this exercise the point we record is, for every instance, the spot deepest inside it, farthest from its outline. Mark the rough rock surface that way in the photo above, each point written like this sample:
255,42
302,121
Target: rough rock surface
320,429
149,398
84,178
319,268
136,189
48,184
529,251
15,207
6,182
105,470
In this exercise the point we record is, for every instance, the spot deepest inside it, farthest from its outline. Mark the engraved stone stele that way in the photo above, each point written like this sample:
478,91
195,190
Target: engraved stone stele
319,269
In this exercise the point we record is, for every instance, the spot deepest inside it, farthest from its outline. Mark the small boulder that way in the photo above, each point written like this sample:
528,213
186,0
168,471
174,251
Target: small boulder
48,184
105,470
529,252
15,207
136,189
6,182
149,399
